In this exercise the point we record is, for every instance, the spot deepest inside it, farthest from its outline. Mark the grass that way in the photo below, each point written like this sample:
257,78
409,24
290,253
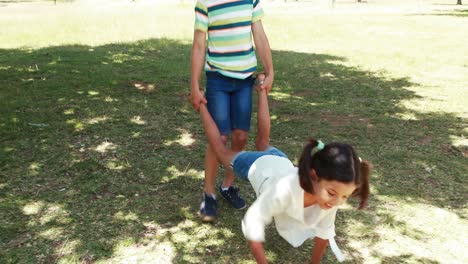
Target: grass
101,156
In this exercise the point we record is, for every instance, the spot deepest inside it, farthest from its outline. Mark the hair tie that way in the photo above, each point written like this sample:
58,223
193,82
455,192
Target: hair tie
317,148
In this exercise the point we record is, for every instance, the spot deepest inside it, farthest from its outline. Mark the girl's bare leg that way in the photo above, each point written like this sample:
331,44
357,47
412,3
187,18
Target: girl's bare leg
223,153
263,117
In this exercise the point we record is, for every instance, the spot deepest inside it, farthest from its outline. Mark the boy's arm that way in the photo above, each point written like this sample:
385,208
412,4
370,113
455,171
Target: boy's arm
263,49
197,60
320,246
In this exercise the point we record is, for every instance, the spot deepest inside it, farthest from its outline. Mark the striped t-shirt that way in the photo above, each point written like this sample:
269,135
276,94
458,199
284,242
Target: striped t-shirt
229,27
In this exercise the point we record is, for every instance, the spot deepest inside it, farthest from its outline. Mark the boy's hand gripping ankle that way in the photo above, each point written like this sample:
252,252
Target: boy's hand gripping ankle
259,81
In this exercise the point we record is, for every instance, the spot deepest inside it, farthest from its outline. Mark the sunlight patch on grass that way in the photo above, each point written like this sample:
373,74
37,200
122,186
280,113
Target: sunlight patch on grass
96,120
77,125
136,134
415,229
125,217
109,99
148,252
435,99
66,251
185,139
125,242
175,173
119,58
406,116
137,120
282,96
328,75
187,212
54,62
54,212
52,233
191,239
459,141
115,164
46,213
105,147
361,247
187,172
93,93
8,149
147,87
34,168
271,256
33,208
69,111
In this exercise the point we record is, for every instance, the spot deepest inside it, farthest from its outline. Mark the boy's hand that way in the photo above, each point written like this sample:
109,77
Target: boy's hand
197,98
267,83
260,82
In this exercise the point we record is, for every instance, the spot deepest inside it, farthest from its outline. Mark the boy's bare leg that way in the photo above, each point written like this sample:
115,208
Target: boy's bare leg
263,117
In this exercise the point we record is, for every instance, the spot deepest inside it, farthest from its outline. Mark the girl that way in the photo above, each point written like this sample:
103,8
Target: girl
302,200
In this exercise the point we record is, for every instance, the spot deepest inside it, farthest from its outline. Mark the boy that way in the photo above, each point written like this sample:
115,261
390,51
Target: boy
229,63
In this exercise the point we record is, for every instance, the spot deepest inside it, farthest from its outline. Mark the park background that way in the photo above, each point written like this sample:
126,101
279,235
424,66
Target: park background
101,156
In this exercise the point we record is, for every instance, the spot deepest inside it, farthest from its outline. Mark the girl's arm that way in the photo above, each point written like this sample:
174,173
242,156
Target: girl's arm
319,249
260,214
257,250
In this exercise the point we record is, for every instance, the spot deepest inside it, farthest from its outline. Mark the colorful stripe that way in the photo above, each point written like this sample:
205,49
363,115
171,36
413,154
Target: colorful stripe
229,27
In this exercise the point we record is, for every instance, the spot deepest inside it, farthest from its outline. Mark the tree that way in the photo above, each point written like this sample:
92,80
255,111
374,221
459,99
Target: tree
459,2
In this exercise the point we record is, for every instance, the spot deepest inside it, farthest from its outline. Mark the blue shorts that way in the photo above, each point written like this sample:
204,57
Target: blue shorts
242,162
229,101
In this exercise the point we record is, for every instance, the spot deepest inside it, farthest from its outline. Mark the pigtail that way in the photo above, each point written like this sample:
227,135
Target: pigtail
305,164
364,190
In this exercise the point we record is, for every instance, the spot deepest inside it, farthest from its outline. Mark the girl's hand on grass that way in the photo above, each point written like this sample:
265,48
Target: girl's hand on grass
258,251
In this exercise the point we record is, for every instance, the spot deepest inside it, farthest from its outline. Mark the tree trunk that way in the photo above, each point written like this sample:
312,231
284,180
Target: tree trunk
459,2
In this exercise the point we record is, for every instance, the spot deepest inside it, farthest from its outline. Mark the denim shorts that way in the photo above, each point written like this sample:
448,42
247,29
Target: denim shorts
242,162
229,101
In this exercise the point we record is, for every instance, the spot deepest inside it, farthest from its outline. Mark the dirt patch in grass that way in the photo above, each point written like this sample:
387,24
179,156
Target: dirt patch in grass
337,121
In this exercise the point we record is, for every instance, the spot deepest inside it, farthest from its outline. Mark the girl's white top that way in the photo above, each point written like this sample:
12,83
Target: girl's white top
280,197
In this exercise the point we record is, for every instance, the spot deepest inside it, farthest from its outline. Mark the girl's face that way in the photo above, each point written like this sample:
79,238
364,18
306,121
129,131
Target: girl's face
332,193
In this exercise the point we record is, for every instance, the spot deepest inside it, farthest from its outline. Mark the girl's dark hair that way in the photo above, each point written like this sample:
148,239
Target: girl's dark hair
335,162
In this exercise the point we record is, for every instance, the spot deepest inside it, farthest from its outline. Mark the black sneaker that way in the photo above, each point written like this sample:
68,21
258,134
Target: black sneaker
208,208
232,196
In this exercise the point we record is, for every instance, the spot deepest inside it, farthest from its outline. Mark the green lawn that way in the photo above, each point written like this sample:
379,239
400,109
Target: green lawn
101,156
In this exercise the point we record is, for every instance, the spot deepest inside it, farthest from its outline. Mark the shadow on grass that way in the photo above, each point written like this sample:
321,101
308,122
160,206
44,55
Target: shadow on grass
102,156
407,258
454,13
